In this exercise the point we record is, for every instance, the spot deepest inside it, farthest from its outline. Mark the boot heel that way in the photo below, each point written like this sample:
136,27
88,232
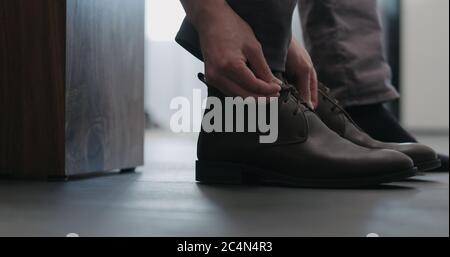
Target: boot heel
222,173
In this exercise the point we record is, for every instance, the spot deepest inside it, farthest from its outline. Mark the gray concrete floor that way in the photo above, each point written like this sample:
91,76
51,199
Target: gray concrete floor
162,199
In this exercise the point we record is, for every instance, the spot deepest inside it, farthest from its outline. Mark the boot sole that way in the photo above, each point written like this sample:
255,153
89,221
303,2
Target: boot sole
237,174
429,165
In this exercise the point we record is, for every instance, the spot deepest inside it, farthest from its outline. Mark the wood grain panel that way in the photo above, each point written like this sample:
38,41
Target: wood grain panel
32,77
105,78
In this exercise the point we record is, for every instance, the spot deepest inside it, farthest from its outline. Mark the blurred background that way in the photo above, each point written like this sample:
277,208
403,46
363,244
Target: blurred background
416,44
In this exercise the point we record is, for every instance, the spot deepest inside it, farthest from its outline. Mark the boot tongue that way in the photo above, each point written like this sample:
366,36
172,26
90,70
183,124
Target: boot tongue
336,108
278,75
326,93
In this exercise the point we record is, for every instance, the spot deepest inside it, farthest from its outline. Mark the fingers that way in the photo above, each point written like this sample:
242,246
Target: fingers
300,70
241,75
306,82
303,86
230,88
313,85
235,78
258,63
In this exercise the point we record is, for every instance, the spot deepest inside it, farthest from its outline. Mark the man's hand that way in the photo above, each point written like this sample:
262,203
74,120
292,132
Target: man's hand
234,60
301,73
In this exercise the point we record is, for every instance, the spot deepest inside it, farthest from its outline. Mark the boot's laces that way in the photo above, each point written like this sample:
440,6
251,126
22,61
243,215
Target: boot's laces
287,91
326,96
337,108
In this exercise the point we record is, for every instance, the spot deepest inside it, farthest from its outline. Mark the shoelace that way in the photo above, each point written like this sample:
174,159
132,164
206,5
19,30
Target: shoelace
286,88
290,90
335,102
336,106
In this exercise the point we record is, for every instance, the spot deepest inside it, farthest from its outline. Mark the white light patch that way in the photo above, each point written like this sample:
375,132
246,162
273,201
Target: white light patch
164,18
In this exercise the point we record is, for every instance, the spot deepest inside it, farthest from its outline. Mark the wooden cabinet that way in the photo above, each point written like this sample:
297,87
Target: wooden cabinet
71,86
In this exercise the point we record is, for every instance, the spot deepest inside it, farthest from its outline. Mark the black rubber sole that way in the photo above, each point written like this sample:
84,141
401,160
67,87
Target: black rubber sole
429,165
238,174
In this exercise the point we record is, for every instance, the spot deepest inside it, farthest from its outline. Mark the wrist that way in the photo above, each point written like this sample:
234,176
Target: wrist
208,13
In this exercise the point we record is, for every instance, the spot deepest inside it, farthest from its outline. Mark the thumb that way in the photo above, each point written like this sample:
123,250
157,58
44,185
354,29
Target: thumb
303,86
258,65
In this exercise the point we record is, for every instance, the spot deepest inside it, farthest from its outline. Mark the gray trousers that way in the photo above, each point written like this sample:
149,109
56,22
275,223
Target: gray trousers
344,38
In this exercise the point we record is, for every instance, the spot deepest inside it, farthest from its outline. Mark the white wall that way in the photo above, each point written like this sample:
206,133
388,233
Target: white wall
297,31
170,71
425,64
